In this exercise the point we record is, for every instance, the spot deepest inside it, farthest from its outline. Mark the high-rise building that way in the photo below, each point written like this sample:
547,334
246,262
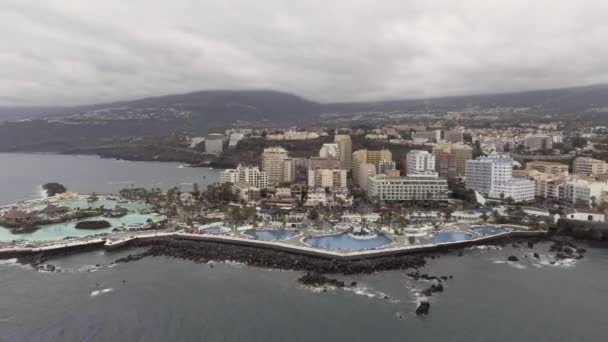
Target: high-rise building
361,157
492,176
324,178
460,152
345,147
323,163
214,143
417,188
419,163
329,151
589,167
273,163
288,170
445,164
364,171
250,175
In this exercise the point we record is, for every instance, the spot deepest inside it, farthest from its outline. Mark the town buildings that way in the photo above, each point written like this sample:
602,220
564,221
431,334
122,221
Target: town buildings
273,162
327,178
420,163
492,177
422,188
538,142
452,159
330,151
547,167
250,175
345,147
361,157
585,166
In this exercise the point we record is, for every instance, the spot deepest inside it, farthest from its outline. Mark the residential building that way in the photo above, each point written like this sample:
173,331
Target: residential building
330,151
288,170
422,188
250,175
214,143
373,157
323,163
585,166
445,164
327,178
460,153
273,163
345,147
430,136
492,177
362,173
547,167
538,142
420,163
386,165
454,136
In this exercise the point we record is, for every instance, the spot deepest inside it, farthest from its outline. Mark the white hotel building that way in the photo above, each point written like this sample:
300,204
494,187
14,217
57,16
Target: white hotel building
493,175
421,188
250,175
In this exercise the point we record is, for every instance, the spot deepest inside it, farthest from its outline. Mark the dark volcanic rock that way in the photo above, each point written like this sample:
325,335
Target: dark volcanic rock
316,279
512,258
101,224
423,308
202,251
536,255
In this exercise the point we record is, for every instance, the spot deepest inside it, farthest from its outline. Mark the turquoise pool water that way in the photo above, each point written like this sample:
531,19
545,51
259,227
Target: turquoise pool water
58,231
345,241
449,236
271,234
490,230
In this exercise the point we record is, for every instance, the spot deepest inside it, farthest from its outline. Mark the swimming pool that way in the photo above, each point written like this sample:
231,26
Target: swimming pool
346,241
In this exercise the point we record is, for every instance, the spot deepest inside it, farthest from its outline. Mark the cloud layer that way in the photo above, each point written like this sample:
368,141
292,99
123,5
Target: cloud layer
62,52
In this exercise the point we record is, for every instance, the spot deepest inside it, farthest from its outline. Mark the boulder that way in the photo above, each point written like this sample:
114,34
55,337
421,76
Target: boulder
512,258
423,308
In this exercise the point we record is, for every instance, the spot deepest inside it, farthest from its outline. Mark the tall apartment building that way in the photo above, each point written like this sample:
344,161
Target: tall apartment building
323,178
329,151
361,157
455,136
250,175
538,142
288,170
324,163
419,163
363,172
273,160
345,146
445,165
589,167
547,167
422,188
492,176
460,153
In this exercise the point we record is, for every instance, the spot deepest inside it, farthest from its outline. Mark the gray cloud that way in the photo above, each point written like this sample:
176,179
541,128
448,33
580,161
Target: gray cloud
75,52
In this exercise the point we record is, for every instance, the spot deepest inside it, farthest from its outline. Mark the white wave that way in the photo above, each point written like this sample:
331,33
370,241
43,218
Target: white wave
88,268
485,247
511,263
95,293
12,261
107,290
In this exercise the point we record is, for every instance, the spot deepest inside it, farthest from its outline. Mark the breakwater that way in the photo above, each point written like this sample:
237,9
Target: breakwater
269,253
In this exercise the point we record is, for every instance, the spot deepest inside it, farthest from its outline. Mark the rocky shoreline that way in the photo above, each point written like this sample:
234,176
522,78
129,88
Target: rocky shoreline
203,251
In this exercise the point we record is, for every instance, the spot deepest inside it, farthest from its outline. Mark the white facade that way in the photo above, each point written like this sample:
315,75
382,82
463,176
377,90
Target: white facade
383,188
250,175
492,176
332,178
420,163
592,217
329,151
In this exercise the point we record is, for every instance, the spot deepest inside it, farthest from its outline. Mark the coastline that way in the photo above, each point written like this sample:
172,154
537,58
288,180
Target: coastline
270,254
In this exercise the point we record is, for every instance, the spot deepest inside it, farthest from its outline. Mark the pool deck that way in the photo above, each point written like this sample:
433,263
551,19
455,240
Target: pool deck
282,246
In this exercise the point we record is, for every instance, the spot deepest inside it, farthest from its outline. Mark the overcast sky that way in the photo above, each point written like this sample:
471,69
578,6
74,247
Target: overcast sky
75,52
